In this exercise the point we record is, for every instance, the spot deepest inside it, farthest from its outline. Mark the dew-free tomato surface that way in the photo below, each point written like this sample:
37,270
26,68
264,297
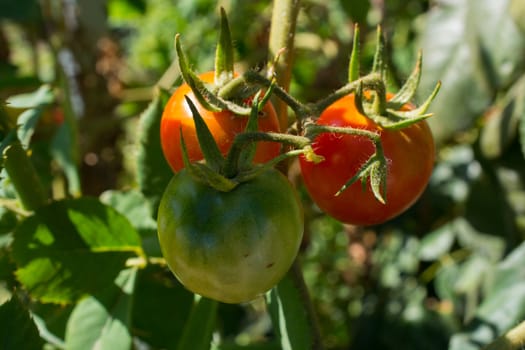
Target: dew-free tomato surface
230,246
223,125
410,158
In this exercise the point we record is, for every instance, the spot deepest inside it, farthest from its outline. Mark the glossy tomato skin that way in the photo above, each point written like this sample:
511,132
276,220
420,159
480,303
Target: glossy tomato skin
230,246
223,125
410,158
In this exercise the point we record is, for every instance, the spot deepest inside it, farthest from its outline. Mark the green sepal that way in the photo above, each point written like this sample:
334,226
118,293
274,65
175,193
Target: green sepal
210,150
401,119
204,96
374,169
354,66
391,118
408,90
224,53
196,85
379,65
204,173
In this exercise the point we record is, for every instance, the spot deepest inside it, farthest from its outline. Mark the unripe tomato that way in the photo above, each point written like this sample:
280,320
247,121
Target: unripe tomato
223,125
230,246
409,153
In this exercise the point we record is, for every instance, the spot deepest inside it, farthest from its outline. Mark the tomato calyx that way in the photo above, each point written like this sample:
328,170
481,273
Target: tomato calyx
224,173
227,92
371,100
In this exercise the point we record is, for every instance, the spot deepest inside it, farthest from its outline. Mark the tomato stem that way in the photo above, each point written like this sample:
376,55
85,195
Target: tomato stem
253,78
293,140
23,176
371,81
281,43
298,278
313,130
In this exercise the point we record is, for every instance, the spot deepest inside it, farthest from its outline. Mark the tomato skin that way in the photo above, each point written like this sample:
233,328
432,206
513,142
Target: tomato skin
410,158
230,246
223,125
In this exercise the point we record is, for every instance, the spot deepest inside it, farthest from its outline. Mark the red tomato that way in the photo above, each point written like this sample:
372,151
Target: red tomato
223,125
410,157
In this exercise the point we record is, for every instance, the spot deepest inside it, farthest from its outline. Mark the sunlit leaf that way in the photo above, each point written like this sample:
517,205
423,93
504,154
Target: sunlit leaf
43,96
501,126
103,320
161,307
473,54
199,328
503,305
289,317
71,248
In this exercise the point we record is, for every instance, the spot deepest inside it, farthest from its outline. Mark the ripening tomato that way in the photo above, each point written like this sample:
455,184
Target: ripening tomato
223,125
230,246
410,158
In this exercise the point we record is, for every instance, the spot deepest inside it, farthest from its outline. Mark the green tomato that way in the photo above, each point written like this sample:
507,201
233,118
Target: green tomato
230,246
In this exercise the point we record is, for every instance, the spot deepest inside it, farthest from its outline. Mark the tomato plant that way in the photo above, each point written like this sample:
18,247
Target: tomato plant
224,125
410,157
230,246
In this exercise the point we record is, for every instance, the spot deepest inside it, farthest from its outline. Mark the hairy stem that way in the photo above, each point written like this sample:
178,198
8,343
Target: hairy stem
282,34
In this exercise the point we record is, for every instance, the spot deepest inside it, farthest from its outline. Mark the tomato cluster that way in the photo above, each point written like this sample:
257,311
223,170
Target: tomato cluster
410,157
235,244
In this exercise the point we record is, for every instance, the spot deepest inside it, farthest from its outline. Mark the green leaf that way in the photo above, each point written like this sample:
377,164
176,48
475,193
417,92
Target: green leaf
517,11
102,321
41,97
61,244
17,329
503,306
133,205
437,243
289,317
199,328
153,172
502,122
473,54
161,307
26,124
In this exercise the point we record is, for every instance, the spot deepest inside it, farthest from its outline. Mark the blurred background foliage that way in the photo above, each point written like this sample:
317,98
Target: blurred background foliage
446,274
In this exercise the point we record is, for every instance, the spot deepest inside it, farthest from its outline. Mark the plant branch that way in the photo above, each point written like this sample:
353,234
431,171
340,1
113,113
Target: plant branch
298,279
23,176
282,35
512,340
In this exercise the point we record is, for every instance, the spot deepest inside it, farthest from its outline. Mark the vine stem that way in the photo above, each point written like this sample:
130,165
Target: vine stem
514,339
281,45
23,176
298,279
282,34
